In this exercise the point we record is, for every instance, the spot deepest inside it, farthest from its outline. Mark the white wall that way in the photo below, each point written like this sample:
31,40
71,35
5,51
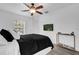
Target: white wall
46,19
7,20
65,20
35,24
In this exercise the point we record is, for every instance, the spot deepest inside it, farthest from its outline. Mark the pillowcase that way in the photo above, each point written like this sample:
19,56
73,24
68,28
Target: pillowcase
7,35
3,41
15,35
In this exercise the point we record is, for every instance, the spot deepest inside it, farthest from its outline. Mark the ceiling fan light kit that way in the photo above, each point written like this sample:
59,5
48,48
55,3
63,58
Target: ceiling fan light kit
33,9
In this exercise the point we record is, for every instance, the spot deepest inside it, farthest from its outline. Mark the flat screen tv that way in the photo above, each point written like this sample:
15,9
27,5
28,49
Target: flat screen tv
48,27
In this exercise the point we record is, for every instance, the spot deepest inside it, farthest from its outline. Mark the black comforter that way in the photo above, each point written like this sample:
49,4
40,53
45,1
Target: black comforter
32,43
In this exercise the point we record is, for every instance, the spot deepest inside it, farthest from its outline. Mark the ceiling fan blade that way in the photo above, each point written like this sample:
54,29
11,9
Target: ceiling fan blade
26,5
31,14
39,12
39,7
25,10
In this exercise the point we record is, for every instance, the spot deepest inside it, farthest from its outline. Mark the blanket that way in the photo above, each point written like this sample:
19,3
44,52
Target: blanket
32,43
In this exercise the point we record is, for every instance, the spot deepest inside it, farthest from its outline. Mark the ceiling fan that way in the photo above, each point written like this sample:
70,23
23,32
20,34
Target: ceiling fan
33,8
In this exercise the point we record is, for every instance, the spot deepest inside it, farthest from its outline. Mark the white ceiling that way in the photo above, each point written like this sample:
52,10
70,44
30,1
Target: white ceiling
17,7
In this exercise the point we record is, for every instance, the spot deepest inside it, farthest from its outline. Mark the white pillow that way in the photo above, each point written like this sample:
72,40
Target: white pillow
15,35
3,41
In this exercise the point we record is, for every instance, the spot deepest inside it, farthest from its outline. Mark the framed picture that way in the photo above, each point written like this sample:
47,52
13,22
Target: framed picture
48,27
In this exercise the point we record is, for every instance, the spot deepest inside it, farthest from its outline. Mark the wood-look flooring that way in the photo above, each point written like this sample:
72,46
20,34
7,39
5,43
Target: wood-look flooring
62,51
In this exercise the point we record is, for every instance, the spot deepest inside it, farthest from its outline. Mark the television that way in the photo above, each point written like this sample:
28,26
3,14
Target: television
48,27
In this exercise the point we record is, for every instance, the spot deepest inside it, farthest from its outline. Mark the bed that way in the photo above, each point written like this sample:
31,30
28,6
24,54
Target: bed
12,48
31,44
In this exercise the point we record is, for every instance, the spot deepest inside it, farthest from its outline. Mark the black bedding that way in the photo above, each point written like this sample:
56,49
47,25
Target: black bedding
32,43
